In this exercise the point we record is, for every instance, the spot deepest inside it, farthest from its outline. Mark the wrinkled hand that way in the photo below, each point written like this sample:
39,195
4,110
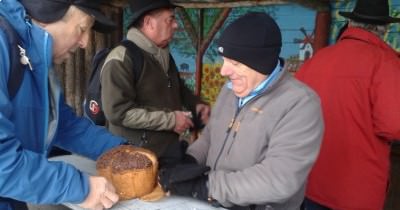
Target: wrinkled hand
186,180
182,122
101,195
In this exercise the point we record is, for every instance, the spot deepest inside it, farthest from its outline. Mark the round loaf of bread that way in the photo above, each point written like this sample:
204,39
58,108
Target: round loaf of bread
132,170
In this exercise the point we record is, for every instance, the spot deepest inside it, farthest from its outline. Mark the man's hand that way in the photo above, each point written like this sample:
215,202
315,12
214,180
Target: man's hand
182,122
101,195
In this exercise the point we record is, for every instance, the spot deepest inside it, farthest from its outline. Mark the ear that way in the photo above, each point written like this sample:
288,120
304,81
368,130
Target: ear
148,22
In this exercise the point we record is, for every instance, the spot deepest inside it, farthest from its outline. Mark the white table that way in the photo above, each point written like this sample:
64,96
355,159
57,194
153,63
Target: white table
167,203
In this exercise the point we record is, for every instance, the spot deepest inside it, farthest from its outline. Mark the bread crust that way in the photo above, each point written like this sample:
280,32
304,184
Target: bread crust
132,170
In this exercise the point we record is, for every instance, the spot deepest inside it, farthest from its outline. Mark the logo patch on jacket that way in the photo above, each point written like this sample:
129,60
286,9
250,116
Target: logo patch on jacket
257,110
94,107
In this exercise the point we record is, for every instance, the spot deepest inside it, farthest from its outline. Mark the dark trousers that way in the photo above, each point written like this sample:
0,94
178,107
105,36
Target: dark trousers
251,207
392,197
55,151
311,205
7,203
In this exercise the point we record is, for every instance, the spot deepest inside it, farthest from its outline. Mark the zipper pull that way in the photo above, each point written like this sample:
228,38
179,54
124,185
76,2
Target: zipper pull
236,129
24,59
230,125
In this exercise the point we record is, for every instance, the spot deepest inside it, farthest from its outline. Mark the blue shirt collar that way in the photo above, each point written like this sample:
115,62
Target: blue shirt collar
262,87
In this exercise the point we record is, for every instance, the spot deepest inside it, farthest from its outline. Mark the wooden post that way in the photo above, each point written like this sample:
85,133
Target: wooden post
199,57
322,27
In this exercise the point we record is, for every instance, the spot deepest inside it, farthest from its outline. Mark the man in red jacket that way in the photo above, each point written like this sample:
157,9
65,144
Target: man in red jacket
358,80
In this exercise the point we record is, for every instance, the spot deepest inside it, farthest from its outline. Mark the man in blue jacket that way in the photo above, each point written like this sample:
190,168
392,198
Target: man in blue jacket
37,118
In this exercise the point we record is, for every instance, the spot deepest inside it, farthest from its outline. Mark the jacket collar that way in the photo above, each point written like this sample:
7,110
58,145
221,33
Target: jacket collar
365,36
160,54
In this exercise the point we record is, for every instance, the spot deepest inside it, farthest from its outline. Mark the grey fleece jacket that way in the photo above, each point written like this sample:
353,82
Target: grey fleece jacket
264,157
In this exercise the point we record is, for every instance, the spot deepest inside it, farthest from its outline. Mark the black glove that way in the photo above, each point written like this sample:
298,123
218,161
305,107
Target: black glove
196,119
188,159
186,180
244,207
175,154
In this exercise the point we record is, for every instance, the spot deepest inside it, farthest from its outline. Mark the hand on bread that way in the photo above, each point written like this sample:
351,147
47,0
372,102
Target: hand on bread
132,171
101,195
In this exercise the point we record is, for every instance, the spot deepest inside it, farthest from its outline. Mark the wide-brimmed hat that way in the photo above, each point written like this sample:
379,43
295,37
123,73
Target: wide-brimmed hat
48,11
141,7
253,39
371,12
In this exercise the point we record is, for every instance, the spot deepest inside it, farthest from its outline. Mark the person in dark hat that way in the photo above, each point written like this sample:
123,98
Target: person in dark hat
264,131
358,81
35,117
149,110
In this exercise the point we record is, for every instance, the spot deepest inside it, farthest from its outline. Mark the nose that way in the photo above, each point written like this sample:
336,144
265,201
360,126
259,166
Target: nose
225,70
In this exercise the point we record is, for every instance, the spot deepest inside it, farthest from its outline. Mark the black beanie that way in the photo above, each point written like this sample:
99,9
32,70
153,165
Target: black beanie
254,39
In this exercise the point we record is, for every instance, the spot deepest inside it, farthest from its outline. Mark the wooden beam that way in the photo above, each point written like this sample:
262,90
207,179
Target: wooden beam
226,4
313,4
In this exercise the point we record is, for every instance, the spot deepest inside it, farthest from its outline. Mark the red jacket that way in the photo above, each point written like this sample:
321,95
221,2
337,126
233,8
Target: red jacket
358,80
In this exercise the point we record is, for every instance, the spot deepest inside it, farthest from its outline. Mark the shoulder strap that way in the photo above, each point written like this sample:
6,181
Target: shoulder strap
17,69
97,62
137,54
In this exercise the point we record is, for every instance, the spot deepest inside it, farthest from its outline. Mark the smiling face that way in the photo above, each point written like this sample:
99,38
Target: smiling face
244,79
69,33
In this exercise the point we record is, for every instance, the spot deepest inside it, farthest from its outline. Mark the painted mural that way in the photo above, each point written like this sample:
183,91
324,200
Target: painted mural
297,24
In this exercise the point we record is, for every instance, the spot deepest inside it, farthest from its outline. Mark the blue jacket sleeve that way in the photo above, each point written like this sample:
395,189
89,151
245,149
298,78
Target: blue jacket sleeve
79,135
28,176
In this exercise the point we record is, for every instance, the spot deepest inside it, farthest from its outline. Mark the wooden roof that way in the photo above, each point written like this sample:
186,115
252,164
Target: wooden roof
319,5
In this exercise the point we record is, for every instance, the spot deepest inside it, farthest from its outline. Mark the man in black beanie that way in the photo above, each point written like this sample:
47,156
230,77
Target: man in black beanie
264,132
34,117
358,80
